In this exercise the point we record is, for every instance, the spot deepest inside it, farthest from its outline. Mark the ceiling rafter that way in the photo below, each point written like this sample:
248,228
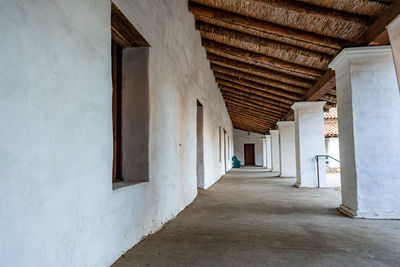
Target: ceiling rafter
260,60
328,81
258,86
253,109
318,11
286,52
269,98
259,79
250,103
267,54
256,124
262,28
251,113
253,98
260,71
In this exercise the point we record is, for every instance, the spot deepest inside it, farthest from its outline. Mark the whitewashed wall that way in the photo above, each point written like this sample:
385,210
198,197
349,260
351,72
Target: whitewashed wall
287,147
332,149
241,138
57,206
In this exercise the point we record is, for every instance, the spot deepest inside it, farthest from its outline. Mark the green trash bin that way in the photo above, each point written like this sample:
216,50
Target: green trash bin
235,162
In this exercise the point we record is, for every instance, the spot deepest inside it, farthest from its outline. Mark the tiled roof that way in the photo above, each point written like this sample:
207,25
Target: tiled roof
331,129
332,114
331,123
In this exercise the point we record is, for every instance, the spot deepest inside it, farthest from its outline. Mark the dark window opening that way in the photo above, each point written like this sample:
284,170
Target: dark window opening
117,110
219,144
130,101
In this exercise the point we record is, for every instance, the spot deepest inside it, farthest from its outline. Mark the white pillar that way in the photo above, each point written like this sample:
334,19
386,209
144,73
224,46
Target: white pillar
264,149
310,141
288,148
369,127
269,152
275,151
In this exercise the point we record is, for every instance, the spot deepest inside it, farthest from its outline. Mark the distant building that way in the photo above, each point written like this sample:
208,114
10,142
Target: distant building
332,139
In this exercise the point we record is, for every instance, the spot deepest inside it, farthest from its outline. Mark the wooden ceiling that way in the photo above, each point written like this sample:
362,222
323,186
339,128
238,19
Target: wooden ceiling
268,54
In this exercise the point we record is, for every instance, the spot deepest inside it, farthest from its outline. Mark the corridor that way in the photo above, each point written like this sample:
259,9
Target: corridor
251,218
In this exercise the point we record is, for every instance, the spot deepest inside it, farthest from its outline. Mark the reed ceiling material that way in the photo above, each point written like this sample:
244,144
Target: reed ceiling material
267,54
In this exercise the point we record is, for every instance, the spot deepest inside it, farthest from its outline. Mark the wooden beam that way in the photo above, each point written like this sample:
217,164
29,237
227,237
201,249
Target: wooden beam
243,118
262,27
255,70
289,116
260,45
251,113
244,103
244,110
235,98
255,124
379,26
259,79
123,32
328,81
314,10
248,129
260,100
329,98
269,98
256,85
322,86
240,116
382,39
252,108
260,59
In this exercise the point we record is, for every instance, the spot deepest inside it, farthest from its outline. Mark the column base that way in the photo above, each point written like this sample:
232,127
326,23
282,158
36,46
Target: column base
297,184
377,215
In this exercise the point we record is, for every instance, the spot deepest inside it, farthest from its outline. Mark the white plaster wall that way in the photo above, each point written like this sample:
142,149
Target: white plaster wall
310,141
275,150
287,148
332,149
57,206
368,108
241,138
269,152
264,147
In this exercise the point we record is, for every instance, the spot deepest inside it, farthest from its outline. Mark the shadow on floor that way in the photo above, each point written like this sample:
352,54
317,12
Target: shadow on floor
249,218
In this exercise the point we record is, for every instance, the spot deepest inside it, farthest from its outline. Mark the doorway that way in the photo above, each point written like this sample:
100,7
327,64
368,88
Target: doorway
249,158
199,147
225,150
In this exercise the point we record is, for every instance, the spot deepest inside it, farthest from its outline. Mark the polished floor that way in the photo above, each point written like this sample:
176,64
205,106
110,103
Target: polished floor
250,218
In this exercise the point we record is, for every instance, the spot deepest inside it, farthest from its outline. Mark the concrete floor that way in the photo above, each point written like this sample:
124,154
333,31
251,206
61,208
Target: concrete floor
249,218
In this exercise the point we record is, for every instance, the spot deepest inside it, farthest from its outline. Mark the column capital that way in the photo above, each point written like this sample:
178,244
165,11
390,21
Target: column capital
273,132
308,105
359,53
282,124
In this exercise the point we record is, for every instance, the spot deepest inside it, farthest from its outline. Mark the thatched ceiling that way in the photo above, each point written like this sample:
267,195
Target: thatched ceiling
267,54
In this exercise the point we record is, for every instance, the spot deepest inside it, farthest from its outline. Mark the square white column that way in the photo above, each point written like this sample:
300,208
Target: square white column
275,150
269,152
310,142
369,127
264,149
288,148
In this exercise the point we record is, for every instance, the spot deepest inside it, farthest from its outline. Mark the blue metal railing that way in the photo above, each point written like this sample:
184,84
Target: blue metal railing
326,157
